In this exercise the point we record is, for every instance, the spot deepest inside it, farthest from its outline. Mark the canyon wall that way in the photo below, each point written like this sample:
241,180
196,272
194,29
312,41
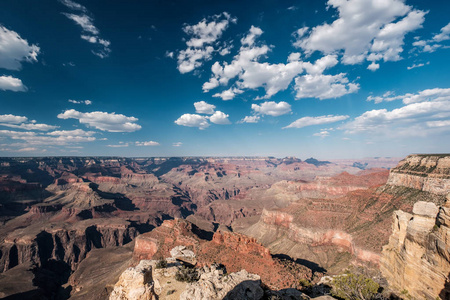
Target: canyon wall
417,258
428,173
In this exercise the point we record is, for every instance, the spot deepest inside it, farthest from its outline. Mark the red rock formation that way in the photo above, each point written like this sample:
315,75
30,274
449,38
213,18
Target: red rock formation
235,251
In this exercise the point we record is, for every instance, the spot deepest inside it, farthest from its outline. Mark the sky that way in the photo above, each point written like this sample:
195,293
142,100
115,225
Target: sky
327,79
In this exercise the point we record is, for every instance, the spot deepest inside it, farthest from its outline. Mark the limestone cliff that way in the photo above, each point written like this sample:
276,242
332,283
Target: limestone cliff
417,258
428,173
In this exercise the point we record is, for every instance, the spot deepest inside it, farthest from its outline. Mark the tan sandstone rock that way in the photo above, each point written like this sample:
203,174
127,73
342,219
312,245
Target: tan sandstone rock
135,283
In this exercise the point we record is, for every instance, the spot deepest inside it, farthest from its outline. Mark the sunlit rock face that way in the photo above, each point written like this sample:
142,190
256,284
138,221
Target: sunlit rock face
417,258
428,173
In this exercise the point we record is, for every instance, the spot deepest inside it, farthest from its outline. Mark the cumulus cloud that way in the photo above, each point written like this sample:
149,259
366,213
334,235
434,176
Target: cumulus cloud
202,107
443,35
413,119
365,29
90,32
177,144
250,119
110,122
12,119
149,143
220,118
193,120
309,121
251,74
9,83
87,102
21,122
434,43
324,86
228,94
14,50
272,108
436,94
202,42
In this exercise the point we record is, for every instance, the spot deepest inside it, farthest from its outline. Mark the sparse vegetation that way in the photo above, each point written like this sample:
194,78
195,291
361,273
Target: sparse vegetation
170,292
305,283
161,264
187,274
351,286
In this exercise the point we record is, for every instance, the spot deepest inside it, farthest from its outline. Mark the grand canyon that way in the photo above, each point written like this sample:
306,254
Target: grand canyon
251,227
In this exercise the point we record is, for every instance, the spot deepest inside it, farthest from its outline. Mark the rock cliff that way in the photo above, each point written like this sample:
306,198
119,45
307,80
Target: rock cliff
428,173
417,258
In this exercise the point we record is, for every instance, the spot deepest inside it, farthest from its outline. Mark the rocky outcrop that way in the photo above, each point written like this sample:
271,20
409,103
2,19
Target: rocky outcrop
66,243
214,284
428,173
417,258
135,283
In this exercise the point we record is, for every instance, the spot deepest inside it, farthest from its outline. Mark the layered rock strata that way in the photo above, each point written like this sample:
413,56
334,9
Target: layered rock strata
417,258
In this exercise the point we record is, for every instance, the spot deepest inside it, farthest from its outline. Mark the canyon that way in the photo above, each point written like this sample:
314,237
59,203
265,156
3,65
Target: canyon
283,220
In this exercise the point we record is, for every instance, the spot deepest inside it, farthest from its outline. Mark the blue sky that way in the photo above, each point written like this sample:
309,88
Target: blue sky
329,79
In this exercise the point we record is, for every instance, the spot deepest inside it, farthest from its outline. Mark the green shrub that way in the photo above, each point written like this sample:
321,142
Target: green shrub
186,274
350,286
170,292
305,283
161,264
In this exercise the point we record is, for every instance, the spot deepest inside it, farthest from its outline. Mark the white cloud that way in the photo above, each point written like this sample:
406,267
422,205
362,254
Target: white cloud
323,86
203,37
149,143
249,39
413,119
118,146
413,66
14,50
252,74
220,118
433,44
33,138
444,34
424,113
373,66
90,32
309,121
228,94
365,29
110,122
202,107
85,22
322,134
87,102
76,132
9,83
73,5
272,108
193,120
21,122
12,119
177,144
436,94
31,126
250,119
